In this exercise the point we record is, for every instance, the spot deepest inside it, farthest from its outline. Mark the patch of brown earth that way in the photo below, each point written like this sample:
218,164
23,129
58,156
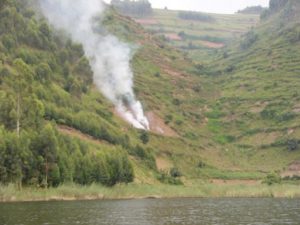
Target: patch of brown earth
235,182
146,21
173,37
292,170
158,126
262,138
212,44
258,107
163,164
76,133
296,108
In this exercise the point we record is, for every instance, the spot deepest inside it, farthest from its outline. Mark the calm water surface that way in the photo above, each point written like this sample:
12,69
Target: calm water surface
154,212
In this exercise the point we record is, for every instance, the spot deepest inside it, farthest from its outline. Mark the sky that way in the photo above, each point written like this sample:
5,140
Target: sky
212,6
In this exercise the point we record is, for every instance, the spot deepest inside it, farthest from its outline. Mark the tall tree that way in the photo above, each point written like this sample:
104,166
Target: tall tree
21,85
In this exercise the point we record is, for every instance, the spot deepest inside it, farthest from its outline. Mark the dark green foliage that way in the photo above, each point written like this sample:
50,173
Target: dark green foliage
174,172
293,144
130,7
144,154
187,15
252,10
292,34
274,6
35,66
49,159
176,101
272,178
167,179
201,164
250,38
277,4
268,114
168,119
144,136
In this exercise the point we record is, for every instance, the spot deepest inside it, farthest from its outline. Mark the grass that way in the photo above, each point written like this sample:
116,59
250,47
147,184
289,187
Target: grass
222,29
69,192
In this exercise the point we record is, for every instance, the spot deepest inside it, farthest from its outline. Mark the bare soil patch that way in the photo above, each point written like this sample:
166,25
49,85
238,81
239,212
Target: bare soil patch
173,37
158,126
212,44
258,107
146,21
163,164
76,133
262,138
292,170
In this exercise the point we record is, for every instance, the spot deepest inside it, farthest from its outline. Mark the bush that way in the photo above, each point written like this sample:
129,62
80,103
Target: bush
272,178
201,164
144,154
167,179
144,137
249,40
174,172
292,144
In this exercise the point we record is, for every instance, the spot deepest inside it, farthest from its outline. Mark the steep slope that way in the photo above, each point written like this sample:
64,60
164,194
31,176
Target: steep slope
215,120
60,128
259,81
46,80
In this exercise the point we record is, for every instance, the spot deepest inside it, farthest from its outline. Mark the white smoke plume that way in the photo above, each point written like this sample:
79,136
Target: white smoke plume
109,57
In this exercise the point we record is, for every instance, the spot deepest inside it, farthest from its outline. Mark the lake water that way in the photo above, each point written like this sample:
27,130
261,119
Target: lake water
228,211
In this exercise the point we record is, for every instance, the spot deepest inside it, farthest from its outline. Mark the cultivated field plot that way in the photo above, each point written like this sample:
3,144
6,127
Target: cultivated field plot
199,36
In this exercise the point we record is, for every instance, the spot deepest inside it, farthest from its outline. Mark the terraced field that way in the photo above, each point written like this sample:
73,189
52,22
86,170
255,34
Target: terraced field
198,38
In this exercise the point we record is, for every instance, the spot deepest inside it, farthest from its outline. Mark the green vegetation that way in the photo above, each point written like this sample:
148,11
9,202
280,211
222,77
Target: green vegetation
195,16
129,7
271,179
44,82
198,34
228,114
252,10
76,192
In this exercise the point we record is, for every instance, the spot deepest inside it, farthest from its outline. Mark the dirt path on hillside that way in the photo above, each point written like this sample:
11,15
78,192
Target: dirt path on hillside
78,134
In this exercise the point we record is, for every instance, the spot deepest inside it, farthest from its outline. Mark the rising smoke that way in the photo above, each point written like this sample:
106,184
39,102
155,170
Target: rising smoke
109,58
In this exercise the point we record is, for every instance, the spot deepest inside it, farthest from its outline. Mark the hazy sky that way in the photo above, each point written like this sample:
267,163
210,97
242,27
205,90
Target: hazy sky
214,6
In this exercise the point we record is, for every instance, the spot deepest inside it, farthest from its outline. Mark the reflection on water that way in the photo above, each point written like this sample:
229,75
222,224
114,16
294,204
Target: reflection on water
154,212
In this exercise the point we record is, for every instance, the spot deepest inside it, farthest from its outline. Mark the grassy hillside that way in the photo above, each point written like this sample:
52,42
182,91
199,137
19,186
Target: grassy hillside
198,34
233,116
259,81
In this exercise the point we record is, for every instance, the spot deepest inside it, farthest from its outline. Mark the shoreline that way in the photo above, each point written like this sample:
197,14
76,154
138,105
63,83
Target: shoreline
134,191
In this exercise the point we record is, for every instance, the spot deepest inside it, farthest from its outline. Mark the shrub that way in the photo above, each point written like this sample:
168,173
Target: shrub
144,154
272,178
167,179
292,144
144,137
249,40
201,164
174,172
168,119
